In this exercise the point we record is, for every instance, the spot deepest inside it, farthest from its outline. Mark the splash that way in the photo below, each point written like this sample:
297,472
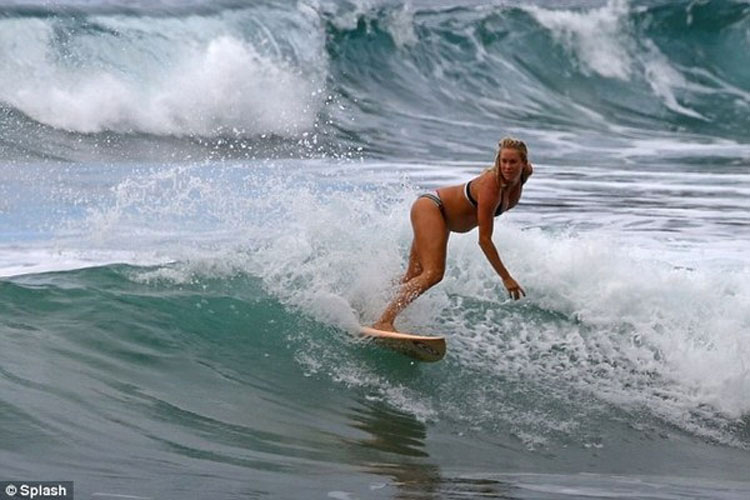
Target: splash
605,42
203,84
600,318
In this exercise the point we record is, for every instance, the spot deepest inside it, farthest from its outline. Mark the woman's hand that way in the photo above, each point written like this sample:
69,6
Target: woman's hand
514,289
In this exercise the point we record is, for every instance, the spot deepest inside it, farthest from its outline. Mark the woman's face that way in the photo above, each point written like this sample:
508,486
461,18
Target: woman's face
511,164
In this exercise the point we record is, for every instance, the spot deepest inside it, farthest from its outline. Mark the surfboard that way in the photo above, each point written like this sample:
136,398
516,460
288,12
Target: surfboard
420,347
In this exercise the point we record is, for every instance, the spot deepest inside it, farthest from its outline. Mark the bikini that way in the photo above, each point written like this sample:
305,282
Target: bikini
435,198
473,202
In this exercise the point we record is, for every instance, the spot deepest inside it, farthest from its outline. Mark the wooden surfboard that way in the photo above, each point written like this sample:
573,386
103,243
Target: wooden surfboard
420,347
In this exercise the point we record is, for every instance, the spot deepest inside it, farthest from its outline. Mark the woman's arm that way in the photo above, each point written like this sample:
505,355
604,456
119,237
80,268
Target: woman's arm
487,203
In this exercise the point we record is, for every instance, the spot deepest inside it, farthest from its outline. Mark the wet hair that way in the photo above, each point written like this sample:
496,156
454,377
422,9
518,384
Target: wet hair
512,143
518,145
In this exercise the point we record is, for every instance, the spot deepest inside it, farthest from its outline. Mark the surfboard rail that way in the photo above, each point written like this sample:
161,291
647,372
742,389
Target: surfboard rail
421,347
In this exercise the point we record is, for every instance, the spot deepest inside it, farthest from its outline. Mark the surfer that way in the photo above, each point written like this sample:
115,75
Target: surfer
460,209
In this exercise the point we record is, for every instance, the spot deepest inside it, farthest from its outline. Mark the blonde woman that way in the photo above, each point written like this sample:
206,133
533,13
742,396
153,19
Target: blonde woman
460,209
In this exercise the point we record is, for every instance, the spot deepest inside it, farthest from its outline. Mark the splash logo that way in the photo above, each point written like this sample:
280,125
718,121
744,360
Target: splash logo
42,490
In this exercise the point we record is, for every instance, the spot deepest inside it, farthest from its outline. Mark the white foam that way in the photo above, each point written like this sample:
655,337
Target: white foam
216,86
399,20
601,314
34,258
636,331
603,42
595,36
631,327
663,78
401,26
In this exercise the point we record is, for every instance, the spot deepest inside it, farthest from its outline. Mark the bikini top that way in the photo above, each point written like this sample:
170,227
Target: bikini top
499,210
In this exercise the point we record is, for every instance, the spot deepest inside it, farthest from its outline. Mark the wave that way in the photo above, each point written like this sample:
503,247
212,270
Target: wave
604,333
558,369
163,76
390,79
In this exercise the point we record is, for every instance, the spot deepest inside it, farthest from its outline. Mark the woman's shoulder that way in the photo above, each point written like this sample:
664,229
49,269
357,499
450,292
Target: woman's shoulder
487,186
484,175
488,177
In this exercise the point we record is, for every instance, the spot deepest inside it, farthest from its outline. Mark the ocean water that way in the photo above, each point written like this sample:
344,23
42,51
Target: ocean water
199,201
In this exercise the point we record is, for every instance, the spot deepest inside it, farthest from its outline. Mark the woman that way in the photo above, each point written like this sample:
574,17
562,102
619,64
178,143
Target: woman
461,209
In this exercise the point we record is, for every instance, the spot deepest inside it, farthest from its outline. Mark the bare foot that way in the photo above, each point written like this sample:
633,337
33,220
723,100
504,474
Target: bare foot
386,327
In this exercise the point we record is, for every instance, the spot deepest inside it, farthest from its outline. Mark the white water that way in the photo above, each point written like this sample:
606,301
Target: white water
610,311
167,76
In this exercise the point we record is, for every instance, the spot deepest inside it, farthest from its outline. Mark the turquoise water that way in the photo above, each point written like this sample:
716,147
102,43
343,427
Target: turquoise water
199,203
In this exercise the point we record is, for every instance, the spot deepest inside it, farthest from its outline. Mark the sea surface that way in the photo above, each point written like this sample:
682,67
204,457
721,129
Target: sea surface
200,200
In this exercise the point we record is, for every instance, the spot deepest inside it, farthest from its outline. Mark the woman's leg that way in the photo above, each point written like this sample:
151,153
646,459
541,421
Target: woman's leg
429,249
414,268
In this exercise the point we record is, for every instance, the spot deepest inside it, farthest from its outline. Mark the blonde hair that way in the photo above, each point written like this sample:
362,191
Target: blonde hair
509,143
512,143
